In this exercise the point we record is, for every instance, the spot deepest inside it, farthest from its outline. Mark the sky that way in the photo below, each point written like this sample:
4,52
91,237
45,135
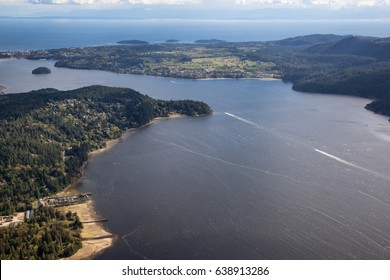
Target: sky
219,9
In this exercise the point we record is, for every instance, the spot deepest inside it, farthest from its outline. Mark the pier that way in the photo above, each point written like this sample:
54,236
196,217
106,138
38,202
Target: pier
95,221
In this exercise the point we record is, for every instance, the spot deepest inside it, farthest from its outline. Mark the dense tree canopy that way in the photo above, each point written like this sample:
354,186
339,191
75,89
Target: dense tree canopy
46,135
48,235
41,70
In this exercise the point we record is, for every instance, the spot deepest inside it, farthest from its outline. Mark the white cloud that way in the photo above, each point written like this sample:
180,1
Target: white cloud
311,3
165,2
132,2
60,2
219,3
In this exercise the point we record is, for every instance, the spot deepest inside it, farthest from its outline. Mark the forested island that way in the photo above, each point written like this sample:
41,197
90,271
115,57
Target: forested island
209,41
349,65
133,42
45,138
41,70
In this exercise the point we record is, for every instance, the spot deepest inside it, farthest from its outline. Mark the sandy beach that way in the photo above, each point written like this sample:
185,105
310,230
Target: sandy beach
110,144
95,237
171,116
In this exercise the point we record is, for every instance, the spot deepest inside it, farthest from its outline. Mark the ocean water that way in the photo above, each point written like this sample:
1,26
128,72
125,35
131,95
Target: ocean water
272,174
28,34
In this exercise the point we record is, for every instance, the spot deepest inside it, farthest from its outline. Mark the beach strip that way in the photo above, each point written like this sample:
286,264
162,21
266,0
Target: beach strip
95,238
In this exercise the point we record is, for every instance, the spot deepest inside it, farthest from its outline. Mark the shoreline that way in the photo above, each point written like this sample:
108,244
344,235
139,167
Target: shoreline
96,238
109,145
221,79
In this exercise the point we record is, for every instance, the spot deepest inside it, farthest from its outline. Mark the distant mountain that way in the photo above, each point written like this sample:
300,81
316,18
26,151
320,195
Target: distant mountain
356,45
309,40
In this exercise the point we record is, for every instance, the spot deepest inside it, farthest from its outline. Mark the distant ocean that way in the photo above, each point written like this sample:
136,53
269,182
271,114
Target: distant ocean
32,34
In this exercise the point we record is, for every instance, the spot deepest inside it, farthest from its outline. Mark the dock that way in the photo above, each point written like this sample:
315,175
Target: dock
99,237
95,221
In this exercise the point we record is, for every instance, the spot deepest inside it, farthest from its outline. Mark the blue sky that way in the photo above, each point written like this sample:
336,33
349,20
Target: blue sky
194,8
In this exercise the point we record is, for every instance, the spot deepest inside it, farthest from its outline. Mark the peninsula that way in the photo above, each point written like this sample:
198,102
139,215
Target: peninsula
347,65
60,130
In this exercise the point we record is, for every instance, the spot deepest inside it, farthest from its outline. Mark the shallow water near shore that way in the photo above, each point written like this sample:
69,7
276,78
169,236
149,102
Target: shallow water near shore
272,174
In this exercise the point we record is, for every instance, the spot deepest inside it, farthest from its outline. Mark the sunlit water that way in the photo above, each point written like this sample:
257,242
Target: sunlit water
272,174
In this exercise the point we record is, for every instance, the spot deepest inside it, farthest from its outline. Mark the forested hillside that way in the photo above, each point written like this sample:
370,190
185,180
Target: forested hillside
48,235
46,135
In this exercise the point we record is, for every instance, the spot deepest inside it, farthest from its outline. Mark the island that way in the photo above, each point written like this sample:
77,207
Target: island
61,131
41,70
209,41
172,41
133,42
318,63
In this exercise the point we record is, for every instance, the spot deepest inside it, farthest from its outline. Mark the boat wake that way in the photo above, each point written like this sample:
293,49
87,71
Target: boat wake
377,174
124,238
271,131
229,162
284,136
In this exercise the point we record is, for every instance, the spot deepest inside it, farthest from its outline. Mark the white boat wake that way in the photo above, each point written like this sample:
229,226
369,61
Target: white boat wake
283,136
340,160
271,131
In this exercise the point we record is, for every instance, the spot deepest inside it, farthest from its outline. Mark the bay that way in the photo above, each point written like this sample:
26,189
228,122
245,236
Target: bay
272,174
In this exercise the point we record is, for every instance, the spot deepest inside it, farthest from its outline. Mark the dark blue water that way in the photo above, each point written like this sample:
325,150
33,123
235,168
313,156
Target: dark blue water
26,34
273,174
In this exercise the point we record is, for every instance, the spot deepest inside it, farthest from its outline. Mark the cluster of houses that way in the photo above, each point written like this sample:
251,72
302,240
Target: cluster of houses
66,200
50,201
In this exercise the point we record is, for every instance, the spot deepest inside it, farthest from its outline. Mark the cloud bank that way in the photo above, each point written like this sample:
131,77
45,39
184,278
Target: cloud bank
131,2
311,3
219,3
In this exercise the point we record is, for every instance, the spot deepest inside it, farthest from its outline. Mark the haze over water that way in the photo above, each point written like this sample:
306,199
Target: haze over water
273,174
35,34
